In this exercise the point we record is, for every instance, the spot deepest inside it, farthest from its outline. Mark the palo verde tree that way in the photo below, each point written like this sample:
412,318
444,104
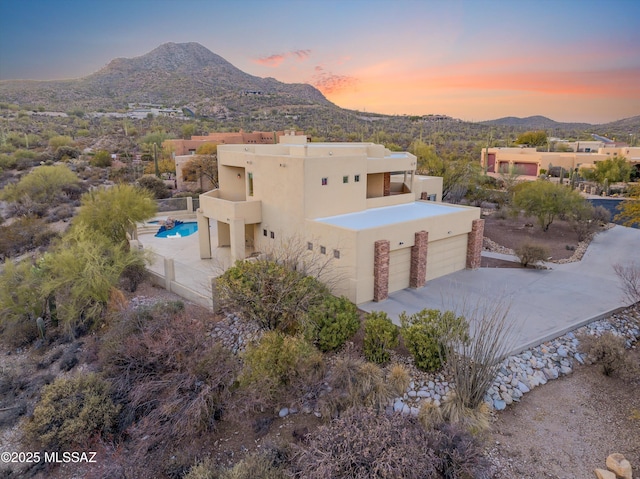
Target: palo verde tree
457,174
545,200
611,170
532,138
80,273
629,209
113,211
44,184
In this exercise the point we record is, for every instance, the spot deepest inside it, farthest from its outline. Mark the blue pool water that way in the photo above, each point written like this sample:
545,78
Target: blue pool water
179,231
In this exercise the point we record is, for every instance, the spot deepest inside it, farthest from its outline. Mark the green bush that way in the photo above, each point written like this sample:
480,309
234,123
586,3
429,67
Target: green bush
71,411
427,332
531,254
331,323
280,359
7,162
380,335
272,295
155,185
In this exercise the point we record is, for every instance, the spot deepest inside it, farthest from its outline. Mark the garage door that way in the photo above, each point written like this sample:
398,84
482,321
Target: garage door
446,256
399,268
529,169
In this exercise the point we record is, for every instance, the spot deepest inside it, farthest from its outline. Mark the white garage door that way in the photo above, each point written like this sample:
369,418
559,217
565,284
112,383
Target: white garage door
399,268
446,256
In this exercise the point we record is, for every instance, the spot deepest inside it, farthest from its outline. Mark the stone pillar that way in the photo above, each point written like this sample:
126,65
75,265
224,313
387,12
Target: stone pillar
387,184
418,273
169,273
381,270
474,244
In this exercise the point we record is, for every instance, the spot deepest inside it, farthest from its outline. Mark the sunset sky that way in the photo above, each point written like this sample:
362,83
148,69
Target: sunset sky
569,60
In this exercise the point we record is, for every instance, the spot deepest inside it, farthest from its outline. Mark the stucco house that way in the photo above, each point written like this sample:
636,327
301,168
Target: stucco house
528,161
382,225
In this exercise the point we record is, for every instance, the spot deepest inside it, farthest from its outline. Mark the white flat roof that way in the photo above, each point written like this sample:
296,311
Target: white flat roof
389,215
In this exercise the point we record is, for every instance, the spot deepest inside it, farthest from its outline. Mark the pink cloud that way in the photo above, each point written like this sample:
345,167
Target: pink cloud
329,83
275,60
272,61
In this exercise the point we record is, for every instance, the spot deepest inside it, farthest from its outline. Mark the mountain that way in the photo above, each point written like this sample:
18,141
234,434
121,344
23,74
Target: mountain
534,123
174,74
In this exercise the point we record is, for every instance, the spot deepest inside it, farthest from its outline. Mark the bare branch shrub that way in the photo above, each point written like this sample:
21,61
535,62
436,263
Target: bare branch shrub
364,444
173,381
629,275
531,254
609,351
474,363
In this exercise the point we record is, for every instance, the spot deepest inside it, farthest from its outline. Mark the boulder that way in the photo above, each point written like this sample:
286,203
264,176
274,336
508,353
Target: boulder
604,474
619,465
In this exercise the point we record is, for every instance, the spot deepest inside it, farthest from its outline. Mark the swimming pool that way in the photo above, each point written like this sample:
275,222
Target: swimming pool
179,231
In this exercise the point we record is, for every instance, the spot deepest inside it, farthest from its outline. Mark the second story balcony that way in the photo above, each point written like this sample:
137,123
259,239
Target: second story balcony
214,206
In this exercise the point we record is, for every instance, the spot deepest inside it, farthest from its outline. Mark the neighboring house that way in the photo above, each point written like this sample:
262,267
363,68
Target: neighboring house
528,161
359,203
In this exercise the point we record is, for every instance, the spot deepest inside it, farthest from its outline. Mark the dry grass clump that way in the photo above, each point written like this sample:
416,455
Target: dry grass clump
253,466
355,382
398,378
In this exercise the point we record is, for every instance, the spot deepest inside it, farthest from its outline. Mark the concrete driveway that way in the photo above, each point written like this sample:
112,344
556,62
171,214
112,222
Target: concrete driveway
543,304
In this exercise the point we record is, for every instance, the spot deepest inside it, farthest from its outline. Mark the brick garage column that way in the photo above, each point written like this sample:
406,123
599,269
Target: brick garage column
418,273
381,270
474,244
387,184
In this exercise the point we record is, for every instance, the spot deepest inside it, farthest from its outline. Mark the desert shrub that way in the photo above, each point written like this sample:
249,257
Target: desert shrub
155,185
101,159
174,382
20,302
279,360
61,212
363,444
427,332
609,352
601,215
629,276
459,455
380,335
253,466
24,234
71,411
531,254
329,324
474,364
25,163
353,383
7,162
134,275
272,295
398,378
